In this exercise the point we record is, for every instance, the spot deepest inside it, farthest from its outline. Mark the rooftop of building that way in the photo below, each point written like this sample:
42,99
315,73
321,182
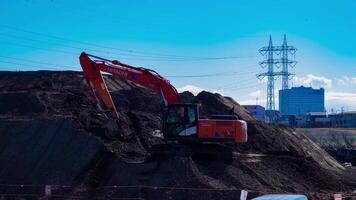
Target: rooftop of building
344,113
303,88
316,113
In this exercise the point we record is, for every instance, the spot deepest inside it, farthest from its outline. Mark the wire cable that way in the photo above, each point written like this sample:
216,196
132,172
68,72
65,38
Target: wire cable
234,73
126,50
57,66
78,48
34,66
38,62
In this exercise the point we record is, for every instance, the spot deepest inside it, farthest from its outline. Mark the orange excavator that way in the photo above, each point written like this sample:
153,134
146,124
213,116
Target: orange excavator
181,121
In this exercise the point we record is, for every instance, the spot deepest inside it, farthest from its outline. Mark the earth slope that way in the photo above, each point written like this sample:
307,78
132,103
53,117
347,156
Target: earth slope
50,133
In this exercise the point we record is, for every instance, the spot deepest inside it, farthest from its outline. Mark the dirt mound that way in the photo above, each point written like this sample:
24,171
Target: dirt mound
46,151
216,104
276,159
26,104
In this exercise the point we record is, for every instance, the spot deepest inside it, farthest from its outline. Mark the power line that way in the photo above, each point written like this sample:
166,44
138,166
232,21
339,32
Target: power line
39,48
231,86
199,76
172,76
33,66
239,86
127,50
61,51
60,67
77,48
33,61
232,73
239,81
73,53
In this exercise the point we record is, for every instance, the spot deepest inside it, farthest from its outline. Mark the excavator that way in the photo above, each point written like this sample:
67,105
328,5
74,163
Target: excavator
181,121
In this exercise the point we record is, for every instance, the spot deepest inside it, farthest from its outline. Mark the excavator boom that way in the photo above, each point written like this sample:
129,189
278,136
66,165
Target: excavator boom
145,77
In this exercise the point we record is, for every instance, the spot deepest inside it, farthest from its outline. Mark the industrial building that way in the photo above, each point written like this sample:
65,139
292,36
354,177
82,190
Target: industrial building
317,120
323,120
288,120
300,100
256,111
343,119
273,116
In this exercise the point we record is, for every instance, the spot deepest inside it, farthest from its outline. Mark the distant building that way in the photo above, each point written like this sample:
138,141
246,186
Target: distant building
300,100
343,120
288,120
301,121
276,116
317,120
256,111
323,120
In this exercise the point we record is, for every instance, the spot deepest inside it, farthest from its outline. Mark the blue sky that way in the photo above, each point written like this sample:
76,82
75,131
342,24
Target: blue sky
139,32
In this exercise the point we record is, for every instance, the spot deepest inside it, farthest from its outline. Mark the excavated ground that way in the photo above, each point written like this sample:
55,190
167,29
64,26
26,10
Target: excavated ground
50,133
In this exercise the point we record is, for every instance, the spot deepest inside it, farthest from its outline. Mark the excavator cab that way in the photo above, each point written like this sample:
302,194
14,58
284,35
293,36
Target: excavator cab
180,121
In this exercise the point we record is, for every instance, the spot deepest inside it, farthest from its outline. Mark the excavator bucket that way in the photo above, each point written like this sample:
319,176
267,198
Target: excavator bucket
112,128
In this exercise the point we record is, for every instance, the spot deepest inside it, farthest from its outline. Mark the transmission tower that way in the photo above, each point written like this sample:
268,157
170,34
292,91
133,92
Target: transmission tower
271,75
286,62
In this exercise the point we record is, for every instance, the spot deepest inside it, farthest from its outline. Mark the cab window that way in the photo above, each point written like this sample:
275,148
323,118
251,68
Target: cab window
191,116
175,115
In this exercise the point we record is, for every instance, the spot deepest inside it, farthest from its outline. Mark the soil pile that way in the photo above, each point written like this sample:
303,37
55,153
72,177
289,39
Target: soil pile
48,119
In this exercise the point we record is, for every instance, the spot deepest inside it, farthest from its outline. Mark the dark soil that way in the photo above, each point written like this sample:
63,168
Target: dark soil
51,133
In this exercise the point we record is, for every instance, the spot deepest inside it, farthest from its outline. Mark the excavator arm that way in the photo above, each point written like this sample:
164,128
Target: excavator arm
93,66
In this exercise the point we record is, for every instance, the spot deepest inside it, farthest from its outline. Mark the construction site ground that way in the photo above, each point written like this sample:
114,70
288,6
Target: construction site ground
52,134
